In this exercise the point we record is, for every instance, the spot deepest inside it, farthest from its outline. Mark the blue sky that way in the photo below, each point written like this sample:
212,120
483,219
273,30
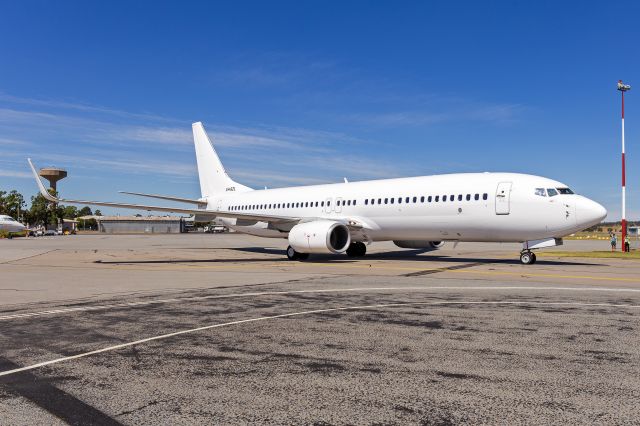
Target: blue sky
309,92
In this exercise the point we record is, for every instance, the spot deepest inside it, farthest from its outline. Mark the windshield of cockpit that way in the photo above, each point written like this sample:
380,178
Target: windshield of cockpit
552,192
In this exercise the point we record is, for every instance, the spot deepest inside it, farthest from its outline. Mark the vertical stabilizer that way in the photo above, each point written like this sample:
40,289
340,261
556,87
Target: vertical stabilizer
213,177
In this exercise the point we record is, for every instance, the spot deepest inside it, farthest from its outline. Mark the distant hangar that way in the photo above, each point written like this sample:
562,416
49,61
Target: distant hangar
140,224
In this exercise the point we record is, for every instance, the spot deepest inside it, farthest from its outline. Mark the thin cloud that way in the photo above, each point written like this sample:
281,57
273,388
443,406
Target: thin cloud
496,114
15,174
78,106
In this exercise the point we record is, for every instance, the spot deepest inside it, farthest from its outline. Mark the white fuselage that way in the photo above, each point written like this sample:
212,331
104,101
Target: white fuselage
506,207
8,224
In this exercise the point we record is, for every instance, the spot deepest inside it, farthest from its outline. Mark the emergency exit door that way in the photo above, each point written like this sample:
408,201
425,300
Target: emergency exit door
503,195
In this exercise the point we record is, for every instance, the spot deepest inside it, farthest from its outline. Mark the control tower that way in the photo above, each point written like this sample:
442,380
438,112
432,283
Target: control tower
53,175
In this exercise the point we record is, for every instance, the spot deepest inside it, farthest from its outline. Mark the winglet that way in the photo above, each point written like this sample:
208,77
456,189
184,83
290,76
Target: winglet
43,190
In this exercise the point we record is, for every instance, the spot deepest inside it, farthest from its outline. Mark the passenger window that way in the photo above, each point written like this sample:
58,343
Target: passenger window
452,197
354,202
386,200
328,203
468,197
460,197
541,192
366,201
392,200
422,199
437,198
476,197
444,198
321,203
552,192
485,196
415,199
399,200
429,199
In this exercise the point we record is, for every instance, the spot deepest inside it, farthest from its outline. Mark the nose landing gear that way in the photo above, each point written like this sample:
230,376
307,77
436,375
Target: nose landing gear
527,257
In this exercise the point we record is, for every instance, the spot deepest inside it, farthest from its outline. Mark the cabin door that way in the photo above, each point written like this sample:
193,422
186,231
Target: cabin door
503,195
327,205
338,206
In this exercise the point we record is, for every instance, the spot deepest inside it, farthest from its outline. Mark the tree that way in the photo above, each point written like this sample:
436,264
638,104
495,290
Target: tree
39,211
69,212
85,211
98,213
12,204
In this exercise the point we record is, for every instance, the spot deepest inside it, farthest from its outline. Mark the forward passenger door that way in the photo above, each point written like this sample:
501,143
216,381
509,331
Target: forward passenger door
503,196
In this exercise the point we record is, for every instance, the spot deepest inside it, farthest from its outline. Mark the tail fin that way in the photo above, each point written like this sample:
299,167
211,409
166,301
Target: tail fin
213,178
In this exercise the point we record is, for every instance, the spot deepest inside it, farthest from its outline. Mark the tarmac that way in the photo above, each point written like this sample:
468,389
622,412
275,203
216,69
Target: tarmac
223,329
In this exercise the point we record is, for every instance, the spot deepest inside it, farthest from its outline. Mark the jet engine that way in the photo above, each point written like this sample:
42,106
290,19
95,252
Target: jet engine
419,244
320,236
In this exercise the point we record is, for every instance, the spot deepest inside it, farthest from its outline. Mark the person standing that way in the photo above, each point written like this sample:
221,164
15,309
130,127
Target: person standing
614,240
627,243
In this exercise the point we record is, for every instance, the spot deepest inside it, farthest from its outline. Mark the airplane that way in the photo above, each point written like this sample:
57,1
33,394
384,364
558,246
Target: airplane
10,225
414,212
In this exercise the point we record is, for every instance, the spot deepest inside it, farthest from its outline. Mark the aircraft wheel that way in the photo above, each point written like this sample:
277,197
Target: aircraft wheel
527,258
292,254
356,249
533,255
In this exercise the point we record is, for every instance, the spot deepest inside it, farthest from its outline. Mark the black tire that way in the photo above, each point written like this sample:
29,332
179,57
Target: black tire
352,250
526,258
356,249
292,254
533,256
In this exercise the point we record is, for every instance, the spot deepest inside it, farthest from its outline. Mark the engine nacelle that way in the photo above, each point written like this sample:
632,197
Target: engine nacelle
320,236
419,244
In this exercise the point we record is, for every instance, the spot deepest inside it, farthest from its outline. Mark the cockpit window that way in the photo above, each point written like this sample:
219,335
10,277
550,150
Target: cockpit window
565,191
552,192
541,192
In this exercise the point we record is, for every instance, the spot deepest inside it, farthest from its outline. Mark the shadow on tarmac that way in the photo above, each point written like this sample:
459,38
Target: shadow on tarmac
405,255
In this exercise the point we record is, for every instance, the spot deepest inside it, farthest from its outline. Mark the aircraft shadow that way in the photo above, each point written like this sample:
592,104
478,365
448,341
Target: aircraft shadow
405,256
415,256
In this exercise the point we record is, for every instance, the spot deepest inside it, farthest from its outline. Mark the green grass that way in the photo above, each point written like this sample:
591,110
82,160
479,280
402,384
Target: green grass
633,255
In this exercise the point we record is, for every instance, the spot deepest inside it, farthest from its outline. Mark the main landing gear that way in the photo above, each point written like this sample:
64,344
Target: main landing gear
296,255
356,249
527,257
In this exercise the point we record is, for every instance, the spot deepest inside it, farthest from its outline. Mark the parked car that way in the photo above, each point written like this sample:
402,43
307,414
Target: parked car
50,233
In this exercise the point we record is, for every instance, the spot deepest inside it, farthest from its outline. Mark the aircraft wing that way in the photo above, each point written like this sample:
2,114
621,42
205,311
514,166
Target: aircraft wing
167,197
199,212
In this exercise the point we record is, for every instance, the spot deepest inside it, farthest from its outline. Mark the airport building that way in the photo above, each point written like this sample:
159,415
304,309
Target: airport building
140,224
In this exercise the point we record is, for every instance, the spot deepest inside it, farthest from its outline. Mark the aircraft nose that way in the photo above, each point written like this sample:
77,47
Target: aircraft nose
589,212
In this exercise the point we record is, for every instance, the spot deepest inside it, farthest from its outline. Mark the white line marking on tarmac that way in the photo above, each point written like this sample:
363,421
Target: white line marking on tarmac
280,293
293,314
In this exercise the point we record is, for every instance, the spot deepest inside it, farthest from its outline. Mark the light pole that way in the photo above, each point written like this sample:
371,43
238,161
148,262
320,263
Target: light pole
623,88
